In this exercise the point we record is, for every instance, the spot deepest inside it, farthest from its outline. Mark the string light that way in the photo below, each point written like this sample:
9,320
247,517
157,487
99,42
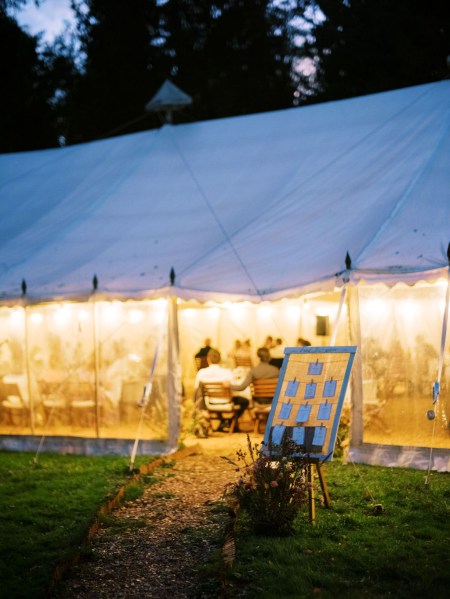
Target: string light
36,318
62,315
135,316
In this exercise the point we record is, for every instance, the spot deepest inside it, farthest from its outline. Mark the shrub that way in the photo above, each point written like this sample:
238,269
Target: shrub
272,487
343,435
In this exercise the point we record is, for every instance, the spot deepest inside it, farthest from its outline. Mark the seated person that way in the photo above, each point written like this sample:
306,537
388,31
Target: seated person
203,351
200,356
217,374
241,355
277,353
303,342
263,370
268,342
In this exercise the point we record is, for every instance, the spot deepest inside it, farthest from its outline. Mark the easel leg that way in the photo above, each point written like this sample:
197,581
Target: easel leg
311,502
311,491
324,486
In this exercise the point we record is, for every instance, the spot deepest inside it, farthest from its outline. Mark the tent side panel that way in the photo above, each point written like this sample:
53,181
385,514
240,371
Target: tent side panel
400,456
82,445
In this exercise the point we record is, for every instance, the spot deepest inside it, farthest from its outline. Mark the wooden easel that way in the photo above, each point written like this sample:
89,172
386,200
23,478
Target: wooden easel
323,485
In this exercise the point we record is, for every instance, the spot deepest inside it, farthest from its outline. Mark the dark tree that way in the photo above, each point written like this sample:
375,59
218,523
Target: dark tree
234,57
366,46
110,92
8,5
34,81
25,112
59,73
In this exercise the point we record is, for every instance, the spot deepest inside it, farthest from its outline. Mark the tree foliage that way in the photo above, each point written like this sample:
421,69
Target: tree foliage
233,57
113,85
367,46
33,86
23,104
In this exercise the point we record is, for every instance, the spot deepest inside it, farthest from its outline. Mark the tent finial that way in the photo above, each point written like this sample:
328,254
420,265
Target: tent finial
24,287
95,283
172,277
167,99
348,262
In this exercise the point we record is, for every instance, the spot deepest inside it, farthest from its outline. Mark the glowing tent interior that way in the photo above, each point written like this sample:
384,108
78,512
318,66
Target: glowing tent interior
256,215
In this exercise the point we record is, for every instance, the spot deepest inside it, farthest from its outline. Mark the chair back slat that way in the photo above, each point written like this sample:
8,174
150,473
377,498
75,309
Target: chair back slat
215,389
244,361
218,399
264,387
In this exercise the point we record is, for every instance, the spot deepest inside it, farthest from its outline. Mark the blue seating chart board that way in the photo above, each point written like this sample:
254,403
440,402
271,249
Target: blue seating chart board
308,403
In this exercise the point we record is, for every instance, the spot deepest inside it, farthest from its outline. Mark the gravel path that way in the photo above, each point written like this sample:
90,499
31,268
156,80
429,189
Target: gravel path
159,545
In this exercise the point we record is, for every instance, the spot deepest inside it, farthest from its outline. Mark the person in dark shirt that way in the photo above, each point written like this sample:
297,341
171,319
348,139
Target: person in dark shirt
203,351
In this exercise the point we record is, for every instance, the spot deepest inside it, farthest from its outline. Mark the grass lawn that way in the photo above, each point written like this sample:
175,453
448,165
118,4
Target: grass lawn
351,553
46,510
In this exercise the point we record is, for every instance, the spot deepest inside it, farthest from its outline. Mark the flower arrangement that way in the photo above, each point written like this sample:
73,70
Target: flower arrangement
271,489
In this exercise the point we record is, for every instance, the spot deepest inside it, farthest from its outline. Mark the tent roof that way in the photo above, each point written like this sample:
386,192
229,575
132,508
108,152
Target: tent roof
257,207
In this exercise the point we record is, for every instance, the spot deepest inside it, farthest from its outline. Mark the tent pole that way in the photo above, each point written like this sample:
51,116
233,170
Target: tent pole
96,368
145,400
219,329
301,318
338,316
354,325
444,329
437,383
174,389
27,366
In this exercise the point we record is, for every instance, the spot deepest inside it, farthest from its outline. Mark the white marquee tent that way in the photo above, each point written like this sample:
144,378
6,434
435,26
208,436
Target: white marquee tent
258,208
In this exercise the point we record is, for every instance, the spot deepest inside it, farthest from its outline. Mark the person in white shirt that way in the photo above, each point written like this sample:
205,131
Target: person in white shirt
217,374
263,370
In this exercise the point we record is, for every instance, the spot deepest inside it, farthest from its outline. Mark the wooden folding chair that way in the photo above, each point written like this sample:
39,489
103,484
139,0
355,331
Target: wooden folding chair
219,403
14,405
244,361
82,403
262,388
54,401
